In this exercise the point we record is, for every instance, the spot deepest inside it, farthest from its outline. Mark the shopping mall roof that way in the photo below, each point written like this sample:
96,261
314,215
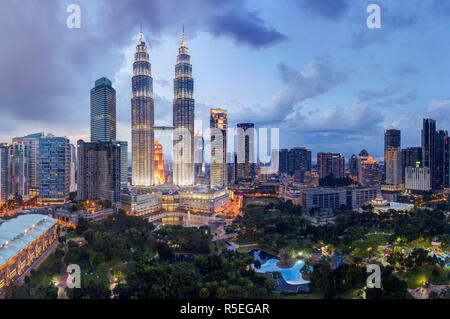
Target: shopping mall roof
17,233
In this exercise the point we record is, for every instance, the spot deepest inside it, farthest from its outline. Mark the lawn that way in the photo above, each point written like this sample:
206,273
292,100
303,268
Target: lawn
49,268
425,273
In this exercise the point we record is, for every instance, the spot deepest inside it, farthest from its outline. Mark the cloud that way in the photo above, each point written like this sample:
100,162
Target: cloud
329,9
245,28
401,100
439,110
318,78
394,18
47,70
360,118
387,97
367,95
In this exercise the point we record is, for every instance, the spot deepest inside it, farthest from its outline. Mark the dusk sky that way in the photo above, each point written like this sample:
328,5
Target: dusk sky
312,68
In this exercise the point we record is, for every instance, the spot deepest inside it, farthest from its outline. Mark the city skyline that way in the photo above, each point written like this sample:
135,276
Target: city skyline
370,93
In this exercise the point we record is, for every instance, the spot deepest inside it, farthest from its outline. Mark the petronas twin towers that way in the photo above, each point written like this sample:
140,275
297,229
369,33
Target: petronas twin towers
143,120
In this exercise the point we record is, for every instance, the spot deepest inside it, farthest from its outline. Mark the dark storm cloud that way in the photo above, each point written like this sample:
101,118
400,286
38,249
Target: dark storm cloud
245,29
367,95
388,97
47,70
330,9
318,78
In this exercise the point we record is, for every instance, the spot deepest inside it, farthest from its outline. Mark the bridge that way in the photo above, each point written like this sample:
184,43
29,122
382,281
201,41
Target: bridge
225,237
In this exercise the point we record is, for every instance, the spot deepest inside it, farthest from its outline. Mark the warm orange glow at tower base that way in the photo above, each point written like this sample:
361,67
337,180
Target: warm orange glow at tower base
159,164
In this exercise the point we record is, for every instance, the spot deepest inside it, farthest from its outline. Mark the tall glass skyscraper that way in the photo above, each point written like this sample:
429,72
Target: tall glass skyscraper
246,152
142,118
183,119
32,143
54,169
103,111
99,170
392,157
218,171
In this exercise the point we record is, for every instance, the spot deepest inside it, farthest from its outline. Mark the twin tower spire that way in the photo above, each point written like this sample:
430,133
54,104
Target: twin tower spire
142,118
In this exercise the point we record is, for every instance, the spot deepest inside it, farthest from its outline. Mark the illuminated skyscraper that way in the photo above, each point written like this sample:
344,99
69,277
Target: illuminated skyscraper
218,171
142,118
330,164
159,164
183,119
103,111
32,143
392,157
99,170
353,166
368,170
246,152
54,169
17,169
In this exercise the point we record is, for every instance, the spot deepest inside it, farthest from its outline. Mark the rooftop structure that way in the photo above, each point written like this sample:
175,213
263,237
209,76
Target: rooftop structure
18,233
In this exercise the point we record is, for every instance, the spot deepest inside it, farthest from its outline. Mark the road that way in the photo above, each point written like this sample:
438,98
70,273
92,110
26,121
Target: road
62,282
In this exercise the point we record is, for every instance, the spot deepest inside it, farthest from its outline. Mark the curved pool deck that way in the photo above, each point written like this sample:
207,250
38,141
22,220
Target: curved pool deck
292,275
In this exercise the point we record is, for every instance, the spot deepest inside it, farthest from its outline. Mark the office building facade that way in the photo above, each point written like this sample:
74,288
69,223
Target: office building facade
99,171
246,157
183,119
330,164
54,169
103,111
142,118
218,166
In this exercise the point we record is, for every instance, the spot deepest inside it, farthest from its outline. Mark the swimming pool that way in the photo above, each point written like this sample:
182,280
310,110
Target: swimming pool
291,275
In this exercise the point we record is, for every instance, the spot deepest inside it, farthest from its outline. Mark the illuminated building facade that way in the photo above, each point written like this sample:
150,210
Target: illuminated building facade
417,178
3,173
73,168
369,171
140,204
246,159
32,144
183,119
159,164
393,166
330,164
17,169
299,160
142,118
218,170
428,146
202,200
323,199
99,170
54,169
65,216
22,240
353,167
392,157
358,196
103,111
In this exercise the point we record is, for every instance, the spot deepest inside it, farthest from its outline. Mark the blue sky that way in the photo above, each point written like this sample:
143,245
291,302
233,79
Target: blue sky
311,68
